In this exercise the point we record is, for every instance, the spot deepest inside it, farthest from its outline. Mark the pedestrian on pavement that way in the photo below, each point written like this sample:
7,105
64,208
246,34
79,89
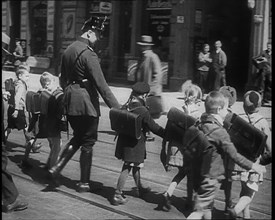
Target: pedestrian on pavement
212,170
18,53
204,62
226,184
217,76
49,122
81,79
149,71
131,150
250,181
264,64
10,200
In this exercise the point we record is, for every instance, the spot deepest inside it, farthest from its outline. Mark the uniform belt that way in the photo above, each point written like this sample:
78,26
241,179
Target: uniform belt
80,82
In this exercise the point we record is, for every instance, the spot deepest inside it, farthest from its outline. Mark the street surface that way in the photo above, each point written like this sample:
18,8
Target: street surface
66,203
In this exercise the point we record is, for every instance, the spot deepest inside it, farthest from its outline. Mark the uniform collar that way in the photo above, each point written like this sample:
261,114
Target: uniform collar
84,40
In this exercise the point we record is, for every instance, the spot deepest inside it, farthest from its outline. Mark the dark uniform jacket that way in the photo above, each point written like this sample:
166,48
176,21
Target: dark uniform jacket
223,147
80,62
133,150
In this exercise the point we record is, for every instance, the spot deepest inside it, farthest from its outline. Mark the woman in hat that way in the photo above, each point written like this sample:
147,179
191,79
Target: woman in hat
133,151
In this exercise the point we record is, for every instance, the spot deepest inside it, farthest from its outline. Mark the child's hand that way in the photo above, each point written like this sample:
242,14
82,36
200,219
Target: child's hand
15,113
258,168
6,95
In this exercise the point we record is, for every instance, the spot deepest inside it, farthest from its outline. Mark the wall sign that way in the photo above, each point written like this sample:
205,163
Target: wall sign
159,4
180,19
69,23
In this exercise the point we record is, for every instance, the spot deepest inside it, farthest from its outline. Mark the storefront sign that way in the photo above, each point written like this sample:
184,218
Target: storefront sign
180,19
101,7
105,7
159,4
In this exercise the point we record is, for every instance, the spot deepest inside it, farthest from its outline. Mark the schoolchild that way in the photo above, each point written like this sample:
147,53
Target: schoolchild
212,169
17,105
226,185
51,120
250,181
132,151
192,98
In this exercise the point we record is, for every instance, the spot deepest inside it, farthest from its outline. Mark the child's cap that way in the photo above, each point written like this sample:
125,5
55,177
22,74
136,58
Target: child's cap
141,88
252,102
230,93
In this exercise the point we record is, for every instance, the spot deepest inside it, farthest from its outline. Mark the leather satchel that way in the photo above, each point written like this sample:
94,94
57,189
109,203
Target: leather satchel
177,123
33,102
126,122
45,97
248,140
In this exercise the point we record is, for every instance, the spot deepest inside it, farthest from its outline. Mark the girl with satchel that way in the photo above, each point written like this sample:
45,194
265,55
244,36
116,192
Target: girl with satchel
132,150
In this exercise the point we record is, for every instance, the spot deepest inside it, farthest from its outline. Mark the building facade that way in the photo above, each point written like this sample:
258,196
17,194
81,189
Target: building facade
178,27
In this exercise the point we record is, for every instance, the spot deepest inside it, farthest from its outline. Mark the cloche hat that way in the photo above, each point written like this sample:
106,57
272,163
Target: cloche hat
146,40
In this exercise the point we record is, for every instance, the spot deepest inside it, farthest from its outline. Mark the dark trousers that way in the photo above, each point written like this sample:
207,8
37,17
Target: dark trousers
84,131
265,84
202,80
9,190
217,79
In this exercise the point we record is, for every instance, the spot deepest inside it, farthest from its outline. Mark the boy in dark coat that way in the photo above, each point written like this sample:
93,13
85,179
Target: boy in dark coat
131,150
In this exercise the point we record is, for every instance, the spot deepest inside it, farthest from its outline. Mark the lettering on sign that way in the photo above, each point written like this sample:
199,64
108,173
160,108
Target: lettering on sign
159,4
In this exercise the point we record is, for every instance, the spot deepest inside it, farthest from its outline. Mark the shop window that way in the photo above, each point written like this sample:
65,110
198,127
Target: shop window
158,14
38,23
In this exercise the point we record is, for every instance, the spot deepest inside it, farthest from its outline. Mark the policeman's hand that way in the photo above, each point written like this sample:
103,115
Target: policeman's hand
258,168
15,113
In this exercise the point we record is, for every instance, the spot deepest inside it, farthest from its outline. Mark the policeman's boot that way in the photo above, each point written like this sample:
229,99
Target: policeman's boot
65,156
85,171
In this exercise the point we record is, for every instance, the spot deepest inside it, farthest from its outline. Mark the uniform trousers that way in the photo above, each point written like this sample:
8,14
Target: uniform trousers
9,190
84,131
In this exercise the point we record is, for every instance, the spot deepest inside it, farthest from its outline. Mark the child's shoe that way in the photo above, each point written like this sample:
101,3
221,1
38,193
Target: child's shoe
166,201
119,199
83,187
231,213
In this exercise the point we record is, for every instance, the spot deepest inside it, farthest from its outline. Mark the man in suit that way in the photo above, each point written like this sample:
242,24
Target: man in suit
81,79
217,71
149,71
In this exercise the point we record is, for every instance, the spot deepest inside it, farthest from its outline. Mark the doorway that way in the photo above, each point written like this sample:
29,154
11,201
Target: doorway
230,22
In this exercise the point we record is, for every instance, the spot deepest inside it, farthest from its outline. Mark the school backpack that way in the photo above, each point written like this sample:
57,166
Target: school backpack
248,140
126,122
33,102
177,123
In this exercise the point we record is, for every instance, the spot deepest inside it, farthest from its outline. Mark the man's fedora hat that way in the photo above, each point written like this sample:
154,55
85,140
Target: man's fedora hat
94,23
146,40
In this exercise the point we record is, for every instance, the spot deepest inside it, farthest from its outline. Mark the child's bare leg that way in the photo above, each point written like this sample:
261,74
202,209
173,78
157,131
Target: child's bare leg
243,202
195,215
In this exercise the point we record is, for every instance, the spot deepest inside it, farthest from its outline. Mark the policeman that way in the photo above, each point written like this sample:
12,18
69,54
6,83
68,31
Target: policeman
82,79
